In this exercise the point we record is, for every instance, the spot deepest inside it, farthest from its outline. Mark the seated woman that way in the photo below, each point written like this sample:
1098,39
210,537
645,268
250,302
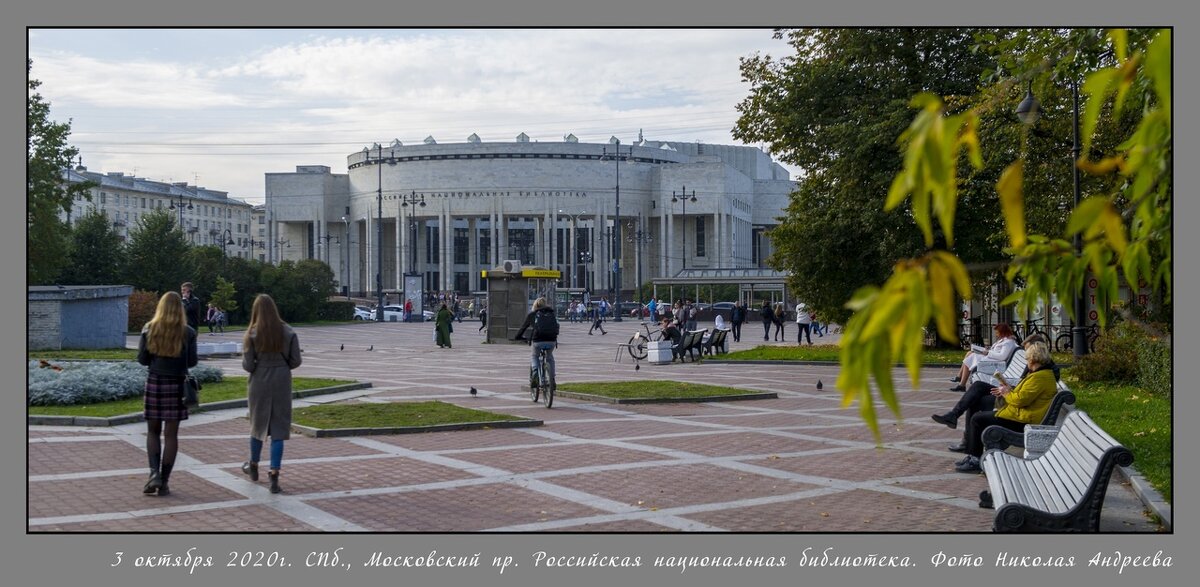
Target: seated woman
979,398
1003,347
672,333
1024,404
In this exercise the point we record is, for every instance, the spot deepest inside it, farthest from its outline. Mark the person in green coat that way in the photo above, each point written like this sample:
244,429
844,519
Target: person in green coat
442,323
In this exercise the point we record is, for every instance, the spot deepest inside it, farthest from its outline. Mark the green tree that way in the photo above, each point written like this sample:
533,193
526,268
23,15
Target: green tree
224,296
206,263
246,276
47,194
157,254
97,255
835,108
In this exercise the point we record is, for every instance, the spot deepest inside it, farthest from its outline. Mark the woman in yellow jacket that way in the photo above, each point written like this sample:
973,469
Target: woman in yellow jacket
1024,404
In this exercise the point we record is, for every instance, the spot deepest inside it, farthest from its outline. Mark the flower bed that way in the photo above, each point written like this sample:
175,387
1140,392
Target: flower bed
54,383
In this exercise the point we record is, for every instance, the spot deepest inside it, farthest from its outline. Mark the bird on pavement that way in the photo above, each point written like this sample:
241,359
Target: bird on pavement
819,386
342,347
372,348
637,367
473,391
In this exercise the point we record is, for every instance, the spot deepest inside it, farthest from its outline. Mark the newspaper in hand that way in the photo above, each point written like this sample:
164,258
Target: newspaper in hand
979,349
1000,398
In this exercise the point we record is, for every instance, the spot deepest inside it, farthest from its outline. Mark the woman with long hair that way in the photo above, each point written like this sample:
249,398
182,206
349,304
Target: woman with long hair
270,350
777,318
168,347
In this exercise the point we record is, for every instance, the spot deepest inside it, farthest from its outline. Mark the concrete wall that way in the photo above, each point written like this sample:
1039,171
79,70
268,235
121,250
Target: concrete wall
77,317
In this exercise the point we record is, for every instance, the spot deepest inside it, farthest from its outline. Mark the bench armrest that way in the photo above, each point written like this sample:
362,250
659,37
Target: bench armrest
1000,438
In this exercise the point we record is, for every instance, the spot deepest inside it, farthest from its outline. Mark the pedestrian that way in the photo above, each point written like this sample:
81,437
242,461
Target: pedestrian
652,307
443,323
737,317
210,318
408,308
191,305
221,320
457,310
597,320
768,318
482,318
167,346
689,313
777,319
816,324
271,350
803,320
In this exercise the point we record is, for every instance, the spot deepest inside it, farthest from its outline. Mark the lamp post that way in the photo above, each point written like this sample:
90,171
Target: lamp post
416,200
585,257
346,272
684,198
226,240
571,249
328,238
1028,111
617,224
638,237
181,201
378,231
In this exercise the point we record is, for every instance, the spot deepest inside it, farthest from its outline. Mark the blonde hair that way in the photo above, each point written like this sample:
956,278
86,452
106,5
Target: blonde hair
1038,353
167,330
266,328
539,303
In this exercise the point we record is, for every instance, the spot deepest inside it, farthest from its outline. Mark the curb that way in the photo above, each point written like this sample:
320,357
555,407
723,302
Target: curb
45,420
648,400
1150,496
343,432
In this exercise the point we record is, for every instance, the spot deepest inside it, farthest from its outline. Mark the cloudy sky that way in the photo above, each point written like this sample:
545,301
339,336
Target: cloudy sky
221,107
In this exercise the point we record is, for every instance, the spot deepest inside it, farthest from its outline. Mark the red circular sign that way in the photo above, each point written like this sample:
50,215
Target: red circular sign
1054,310
1093,315
1092,283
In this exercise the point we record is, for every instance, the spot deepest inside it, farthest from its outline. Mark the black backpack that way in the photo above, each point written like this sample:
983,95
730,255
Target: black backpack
545,326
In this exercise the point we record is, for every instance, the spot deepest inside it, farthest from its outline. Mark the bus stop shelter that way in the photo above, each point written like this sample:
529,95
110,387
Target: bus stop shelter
750,281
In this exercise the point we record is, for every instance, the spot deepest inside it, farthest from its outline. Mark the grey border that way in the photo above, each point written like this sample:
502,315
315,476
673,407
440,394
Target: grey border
75,559
648,400
343,432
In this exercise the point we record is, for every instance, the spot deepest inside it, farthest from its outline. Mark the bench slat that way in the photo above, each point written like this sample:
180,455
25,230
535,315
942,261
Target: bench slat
1076,462
1059,497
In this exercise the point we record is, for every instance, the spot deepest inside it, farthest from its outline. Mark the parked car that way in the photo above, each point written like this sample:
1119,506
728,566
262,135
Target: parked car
361,313
632,309
725,309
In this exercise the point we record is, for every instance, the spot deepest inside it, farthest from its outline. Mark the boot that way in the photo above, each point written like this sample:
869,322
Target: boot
274,476
250,469
155,480
163,490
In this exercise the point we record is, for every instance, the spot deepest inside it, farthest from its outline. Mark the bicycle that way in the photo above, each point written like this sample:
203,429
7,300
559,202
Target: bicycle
1066,341
1031,328
637,342
542,384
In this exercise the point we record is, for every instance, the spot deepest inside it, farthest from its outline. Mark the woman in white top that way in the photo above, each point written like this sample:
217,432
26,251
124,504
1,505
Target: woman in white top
720,323
1003,347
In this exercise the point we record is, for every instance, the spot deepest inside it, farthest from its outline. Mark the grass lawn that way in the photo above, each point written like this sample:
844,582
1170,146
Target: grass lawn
652,389
230,388
831,352
391,415
1139,421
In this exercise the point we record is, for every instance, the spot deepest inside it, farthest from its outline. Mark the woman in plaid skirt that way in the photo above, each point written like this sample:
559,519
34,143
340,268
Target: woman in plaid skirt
168,347
270,351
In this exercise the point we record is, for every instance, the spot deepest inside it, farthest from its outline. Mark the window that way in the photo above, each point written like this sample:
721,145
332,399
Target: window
485,246
262,219
143,203
462,242
431,245
103,197
699,236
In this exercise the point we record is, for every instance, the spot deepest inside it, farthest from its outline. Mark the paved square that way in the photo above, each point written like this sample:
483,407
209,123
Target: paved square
799,463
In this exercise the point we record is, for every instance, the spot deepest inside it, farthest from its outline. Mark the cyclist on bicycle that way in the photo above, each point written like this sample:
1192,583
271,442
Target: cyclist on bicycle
544,325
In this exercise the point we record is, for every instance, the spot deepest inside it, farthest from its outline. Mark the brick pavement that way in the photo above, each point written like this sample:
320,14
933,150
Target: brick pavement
799,463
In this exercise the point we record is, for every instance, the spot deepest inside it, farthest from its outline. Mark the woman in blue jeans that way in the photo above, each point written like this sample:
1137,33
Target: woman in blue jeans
270,351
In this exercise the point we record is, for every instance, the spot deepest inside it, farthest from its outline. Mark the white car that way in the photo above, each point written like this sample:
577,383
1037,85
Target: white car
361,313
398,312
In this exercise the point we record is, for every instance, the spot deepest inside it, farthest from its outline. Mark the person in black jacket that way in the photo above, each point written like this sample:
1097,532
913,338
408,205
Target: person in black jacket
168,347
737,317
191,305
768,318
544,326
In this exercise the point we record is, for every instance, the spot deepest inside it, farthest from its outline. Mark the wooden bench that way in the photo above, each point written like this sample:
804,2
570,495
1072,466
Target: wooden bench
715,343
692,341
1062,490
1001,438
1013,367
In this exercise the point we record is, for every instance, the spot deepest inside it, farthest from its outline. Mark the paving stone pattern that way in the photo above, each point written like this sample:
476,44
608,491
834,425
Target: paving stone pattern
799,463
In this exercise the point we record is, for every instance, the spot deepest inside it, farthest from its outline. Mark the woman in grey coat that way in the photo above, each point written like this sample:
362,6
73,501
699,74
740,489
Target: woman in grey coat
270,351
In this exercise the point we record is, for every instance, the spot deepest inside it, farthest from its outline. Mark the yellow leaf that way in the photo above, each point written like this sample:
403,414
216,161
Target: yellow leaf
1114,228
1011,202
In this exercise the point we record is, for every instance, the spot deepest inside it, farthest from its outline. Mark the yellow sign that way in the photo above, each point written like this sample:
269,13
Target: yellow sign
550,273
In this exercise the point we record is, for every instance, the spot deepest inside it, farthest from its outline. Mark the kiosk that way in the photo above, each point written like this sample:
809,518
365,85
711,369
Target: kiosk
511,290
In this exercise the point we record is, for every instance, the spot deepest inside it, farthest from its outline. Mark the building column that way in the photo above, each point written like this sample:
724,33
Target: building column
472,252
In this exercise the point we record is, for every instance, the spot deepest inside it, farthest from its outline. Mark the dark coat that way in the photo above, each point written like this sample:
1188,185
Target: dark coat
270,389
442,323
192,309
174,366
768,314
738,315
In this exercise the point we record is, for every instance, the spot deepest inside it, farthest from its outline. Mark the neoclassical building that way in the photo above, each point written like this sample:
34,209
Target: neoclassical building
451,210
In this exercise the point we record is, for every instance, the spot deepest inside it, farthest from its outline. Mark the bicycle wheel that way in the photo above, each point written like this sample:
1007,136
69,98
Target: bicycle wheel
1063,342
546,383
535,385
637,347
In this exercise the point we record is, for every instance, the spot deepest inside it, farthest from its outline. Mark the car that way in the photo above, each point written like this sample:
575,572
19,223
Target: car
361,313
724,309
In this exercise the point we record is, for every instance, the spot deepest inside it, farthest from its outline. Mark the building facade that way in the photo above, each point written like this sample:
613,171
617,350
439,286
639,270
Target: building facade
208,217
451,210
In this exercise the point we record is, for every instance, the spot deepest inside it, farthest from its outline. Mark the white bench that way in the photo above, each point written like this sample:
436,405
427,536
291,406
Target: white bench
1037,437
1012,369
1062,490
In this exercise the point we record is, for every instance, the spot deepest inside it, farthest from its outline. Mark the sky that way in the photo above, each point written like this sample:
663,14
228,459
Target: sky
219,108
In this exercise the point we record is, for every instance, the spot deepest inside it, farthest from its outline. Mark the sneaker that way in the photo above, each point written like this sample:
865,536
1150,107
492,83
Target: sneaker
958,387
970,465
954,379
945,419
960,447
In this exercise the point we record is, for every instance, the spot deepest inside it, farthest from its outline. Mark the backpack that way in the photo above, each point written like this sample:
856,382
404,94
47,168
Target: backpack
545,326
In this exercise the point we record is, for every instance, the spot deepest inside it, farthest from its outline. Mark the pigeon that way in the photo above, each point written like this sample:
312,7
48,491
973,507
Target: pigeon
819,386
473,391
372,348
637,367
341,347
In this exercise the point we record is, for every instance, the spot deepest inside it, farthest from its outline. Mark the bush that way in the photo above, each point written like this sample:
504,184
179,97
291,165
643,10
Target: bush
1117,356
141,309
95,381
338,311
1154,365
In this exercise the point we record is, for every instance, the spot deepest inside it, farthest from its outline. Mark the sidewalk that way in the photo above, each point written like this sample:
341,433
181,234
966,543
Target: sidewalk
799,463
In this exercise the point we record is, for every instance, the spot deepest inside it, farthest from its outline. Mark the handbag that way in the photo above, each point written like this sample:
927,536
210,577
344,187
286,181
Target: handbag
191,392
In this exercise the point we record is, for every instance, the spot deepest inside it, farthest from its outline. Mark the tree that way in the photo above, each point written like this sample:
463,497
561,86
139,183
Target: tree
158,257
97,255
47,194
835,108
223,296
1126,228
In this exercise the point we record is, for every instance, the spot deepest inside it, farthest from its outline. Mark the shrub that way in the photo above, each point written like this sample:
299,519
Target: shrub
89,382
141,309
1115,358
338,310
1154,365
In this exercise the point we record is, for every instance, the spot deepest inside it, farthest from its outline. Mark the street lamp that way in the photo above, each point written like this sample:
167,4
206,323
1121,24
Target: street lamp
378,229
684,198
181,201
225,241
416,200
585,257
346,272
638,237
571,250
617,237
1028,111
